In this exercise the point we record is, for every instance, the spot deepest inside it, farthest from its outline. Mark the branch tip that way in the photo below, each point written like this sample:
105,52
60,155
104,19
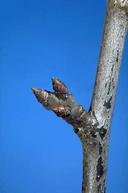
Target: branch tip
59,86
35,90
61,102
40,94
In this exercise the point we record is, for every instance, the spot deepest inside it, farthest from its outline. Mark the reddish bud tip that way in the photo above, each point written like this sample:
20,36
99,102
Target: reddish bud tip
36,91
59,86
40,95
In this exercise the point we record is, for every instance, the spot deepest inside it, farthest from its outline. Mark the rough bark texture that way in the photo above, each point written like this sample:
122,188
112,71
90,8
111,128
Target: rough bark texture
93,127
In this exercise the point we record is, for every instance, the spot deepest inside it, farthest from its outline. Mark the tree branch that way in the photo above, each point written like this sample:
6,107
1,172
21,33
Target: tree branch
115,29
62,103
93,127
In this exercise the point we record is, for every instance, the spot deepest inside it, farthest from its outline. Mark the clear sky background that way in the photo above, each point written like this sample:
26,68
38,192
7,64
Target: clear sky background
39,153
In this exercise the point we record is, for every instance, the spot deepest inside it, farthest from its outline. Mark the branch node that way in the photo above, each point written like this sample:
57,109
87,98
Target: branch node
67,108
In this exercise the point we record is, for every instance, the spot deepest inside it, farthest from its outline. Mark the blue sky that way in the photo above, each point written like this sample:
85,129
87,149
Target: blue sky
38,40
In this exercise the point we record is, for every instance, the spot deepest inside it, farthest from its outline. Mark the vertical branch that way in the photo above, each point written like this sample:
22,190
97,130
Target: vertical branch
95,158
115,29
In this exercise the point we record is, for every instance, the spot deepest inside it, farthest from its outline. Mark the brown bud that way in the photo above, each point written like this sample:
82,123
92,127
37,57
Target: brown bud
61,111
36,91
59,86
41,95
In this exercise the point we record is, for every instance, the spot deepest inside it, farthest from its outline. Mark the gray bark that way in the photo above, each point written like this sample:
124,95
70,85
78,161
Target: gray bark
93,127
104,93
